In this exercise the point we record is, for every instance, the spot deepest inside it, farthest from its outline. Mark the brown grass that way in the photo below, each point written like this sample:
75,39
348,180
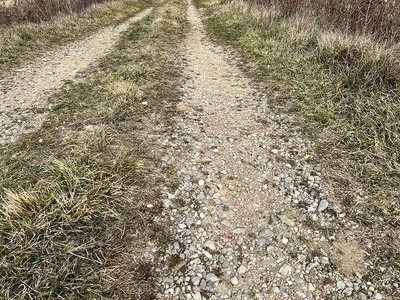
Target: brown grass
380,18
41,10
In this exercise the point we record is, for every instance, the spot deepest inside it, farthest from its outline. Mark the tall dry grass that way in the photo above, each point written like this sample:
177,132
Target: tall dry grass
41,10
380,18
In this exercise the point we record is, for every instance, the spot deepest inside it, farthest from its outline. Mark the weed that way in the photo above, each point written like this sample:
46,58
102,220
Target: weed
393,260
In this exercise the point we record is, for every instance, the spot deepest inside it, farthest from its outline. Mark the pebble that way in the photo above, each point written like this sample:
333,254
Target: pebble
197,296
210,245
285,270
196,281
234,280
211,277
340,285
323,204
241,270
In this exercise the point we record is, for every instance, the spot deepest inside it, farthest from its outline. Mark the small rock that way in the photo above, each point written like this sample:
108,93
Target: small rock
197,296
242,270
210,245
221,259
285,241
324,260
378,296
189,221
265,232
234,281
348,291
323,204
211,277
167,203
203,283
340,285
196,280
285,270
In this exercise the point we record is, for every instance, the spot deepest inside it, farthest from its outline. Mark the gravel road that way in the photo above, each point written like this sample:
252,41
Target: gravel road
24,92
250,212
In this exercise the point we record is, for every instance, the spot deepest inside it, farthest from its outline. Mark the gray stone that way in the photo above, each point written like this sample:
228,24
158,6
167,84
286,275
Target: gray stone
189,221
203,283
323,204
348,291
195,280
276,290
340,285
361,296
221,259
324,260
197,296
211,277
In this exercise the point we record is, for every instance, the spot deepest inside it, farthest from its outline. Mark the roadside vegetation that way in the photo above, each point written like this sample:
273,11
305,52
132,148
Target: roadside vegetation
41,10
21,39
78,198
343,81
378,18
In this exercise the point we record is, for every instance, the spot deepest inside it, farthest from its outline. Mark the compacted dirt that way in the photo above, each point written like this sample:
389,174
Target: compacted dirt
23,101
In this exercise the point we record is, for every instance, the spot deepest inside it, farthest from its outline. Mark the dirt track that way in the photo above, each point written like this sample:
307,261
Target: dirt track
23,101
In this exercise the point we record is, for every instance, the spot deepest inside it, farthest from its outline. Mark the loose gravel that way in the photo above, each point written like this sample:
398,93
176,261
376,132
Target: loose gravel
251,215
24,92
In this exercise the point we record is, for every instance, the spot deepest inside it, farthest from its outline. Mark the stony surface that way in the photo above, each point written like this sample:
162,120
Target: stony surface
251,215
23,100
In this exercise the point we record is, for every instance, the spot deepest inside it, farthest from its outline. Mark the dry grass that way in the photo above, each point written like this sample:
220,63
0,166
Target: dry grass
379,18
74,215
41,10
25,40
